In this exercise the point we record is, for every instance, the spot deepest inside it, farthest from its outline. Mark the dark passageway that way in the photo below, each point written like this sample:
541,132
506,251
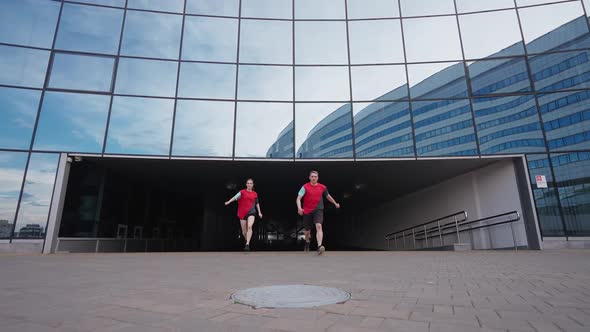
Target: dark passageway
180,202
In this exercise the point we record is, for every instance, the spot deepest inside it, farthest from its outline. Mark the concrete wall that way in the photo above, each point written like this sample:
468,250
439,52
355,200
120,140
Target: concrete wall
481,193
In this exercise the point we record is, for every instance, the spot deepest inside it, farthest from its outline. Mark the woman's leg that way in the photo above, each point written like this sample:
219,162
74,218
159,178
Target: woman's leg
249,230
244,228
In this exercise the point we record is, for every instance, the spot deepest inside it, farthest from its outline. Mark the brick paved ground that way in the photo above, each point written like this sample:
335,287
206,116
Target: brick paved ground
398,291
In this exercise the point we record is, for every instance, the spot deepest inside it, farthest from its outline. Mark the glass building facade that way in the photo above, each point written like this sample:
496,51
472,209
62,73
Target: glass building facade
295,80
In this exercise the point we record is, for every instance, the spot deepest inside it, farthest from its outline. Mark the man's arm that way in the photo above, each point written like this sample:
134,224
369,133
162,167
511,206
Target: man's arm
258,207
298,201
331,199
235,198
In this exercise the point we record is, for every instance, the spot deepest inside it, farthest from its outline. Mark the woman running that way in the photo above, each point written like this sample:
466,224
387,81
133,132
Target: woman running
247,207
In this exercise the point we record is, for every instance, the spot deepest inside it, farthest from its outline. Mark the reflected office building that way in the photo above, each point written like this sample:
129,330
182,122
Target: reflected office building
124,123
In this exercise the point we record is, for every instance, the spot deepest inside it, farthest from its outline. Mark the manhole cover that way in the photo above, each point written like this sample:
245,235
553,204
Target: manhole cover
290,296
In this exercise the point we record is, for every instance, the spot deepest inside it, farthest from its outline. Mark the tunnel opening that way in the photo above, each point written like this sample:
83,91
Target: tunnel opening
137,205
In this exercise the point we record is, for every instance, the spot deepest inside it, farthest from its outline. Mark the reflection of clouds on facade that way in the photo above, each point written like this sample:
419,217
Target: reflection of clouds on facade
210,39
17,118
259,125
146,77
151,35
322,84
28,22
265,83
34,206
12,169
72,122
140,126
23,67
265,41
213,7
203,128
89,29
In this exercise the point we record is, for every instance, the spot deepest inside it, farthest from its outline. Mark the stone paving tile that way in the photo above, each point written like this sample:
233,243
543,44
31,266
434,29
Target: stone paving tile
400,291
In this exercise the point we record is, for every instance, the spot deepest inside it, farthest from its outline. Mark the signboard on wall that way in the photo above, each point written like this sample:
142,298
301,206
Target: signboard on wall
541,181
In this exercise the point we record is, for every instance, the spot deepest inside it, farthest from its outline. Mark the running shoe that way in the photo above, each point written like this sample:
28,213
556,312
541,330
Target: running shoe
247,247
321,250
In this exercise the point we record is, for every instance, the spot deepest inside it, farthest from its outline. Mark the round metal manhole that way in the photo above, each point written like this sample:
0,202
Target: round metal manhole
290,296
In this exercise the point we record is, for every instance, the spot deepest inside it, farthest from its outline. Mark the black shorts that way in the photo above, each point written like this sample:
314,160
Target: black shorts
314,217
250,214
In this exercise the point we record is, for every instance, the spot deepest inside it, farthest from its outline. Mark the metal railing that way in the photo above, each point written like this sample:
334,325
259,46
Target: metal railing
422,233
98,245
426,228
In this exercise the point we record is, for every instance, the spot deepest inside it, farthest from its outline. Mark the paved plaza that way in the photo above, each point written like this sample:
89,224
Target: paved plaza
391,291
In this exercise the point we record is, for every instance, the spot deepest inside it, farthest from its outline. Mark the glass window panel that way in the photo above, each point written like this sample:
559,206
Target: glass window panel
325,9
383,130
432,39
259,127
444,128
267,8
379,83
587,6
567,120
547,207
72,122
508,125
499,76
12,170
572,175
207,80
426,7
28,22
521,3
80,72
323,131
266,41
36,199
115,3
372,9
153,35
22,66
375,41
265,83
176,6
146,77
210,39
437,80
203,128
491,34
213,7
464,6
89,29
322,84
561,71
554,27
17,117
320,43
140,126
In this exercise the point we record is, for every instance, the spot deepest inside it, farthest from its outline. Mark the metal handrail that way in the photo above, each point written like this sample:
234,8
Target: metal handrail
388,236
455,227
516,218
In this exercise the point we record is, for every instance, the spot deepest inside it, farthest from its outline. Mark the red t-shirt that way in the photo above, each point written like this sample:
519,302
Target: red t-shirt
247,203
313,197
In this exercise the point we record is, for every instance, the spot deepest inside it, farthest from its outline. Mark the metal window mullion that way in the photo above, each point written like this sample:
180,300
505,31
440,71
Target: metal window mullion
410,107
177,80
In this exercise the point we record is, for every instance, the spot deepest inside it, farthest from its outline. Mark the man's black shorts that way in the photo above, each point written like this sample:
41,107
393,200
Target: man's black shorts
314,217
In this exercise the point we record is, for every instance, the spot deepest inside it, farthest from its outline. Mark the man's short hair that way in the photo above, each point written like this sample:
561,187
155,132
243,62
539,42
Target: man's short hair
314,171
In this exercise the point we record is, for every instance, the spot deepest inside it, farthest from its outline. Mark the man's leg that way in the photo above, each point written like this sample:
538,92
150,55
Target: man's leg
319,234
319,220
306,231
249,229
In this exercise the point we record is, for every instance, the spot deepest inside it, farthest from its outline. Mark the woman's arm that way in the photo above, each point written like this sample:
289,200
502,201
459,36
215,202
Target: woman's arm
235,198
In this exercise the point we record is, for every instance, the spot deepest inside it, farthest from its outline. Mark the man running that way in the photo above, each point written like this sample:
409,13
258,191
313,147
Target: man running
313,208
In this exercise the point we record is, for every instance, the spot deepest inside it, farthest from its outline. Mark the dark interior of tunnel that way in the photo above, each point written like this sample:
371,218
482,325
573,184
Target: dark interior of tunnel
183,200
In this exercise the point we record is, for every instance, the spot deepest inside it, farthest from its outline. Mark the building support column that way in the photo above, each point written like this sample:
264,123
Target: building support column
57,205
